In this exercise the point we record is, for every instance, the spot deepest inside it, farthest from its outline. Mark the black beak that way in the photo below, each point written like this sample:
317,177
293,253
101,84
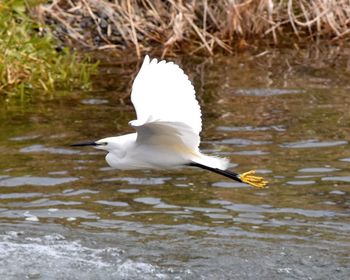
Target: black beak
84,144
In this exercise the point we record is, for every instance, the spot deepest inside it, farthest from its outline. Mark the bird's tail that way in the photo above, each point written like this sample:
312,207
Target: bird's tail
247,177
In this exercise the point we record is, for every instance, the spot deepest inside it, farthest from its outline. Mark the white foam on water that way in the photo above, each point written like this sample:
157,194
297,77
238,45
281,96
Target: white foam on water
54,257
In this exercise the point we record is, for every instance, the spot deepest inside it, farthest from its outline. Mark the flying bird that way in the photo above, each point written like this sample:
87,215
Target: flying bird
167,127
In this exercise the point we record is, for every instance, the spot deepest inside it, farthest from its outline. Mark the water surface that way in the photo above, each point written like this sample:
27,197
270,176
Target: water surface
65,215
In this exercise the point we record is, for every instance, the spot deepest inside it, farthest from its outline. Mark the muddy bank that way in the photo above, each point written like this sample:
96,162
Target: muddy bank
196,26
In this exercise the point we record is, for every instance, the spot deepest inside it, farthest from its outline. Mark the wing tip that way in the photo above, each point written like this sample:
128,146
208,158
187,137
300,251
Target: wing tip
154,61
146,60
149,61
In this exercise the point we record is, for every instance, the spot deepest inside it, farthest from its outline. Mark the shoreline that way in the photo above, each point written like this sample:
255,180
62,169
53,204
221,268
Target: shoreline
201,27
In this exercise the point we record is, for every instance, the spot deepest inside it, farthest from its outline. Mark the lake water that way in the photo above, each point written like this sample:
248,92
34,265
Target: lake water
65,215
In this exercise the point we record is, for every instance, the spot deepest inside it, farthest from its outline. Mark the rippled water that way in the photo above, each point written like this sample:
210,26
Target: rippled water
65,215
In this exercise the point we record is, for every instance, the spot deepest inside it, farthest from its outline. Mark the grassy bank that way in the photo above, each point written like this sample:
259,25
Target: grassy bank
197,26
29,60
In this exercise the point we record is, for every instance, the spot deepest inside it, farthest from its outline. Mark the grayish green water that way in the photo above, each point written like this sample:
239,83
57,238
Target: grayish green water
65,215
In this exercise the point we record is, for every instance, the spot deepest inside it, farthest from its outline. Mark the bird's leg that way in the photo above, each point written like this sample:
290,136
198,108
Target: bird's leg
250,179
247,177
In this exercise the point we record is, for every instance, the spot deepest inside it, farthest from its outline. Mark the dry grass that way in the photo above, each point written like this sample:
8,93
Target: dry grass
196,26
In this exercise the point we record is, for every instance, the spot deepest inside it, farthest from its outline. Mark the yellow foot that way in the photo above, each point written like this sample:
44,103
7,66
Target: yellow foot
250,179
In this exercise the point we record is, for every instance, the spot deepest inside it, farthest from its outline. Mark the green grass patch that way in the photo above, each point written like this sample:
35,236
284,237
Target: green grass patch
29,61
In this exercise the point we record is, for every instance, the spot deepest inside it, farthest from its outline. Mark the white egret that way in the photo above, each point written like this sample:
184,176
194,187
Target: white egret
167,127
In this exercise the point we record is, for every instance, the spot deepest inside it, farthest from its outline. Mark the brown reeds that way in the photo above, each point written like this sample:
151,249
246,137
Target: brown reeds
195,26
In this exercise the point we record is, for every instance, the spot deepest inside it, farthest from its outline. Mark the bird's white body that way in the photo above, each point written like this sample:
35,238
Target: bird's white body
167,126
128,154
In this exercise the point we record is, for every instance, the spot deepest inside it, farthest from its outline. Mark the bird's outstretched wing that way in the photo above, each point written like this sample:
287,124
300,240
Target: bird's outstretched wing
163,96
173,135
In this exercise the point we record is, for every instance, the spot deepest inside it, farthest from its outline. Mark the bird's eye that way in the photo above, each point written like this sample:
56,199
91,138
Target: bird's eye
101,143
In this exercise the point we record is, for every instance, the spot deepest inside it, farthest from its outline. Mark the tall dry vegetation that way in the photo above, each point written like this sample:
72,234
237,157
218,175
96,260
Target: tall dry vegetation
196,26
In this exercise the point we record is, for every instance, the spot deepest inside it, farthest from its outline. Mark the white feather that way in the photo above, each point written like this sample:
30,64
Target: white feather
163,92
167,126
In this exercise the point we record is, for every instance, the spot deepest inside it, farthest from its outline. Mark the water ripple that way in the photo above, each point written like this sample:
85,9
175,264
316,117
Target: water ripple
228,184
312,143
317,170
242,142
48,213
218,216
140,181
337,178
267,91
251,153
94,101
301,183
19,195
44,202
128,190
24,138
51,150
71,192
112,203
280,128
268,209
35,181
148,200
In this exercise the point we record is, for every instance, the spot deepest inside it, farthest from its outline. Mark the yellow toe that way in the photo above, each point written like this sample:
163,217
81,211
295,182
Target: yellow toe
250,179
